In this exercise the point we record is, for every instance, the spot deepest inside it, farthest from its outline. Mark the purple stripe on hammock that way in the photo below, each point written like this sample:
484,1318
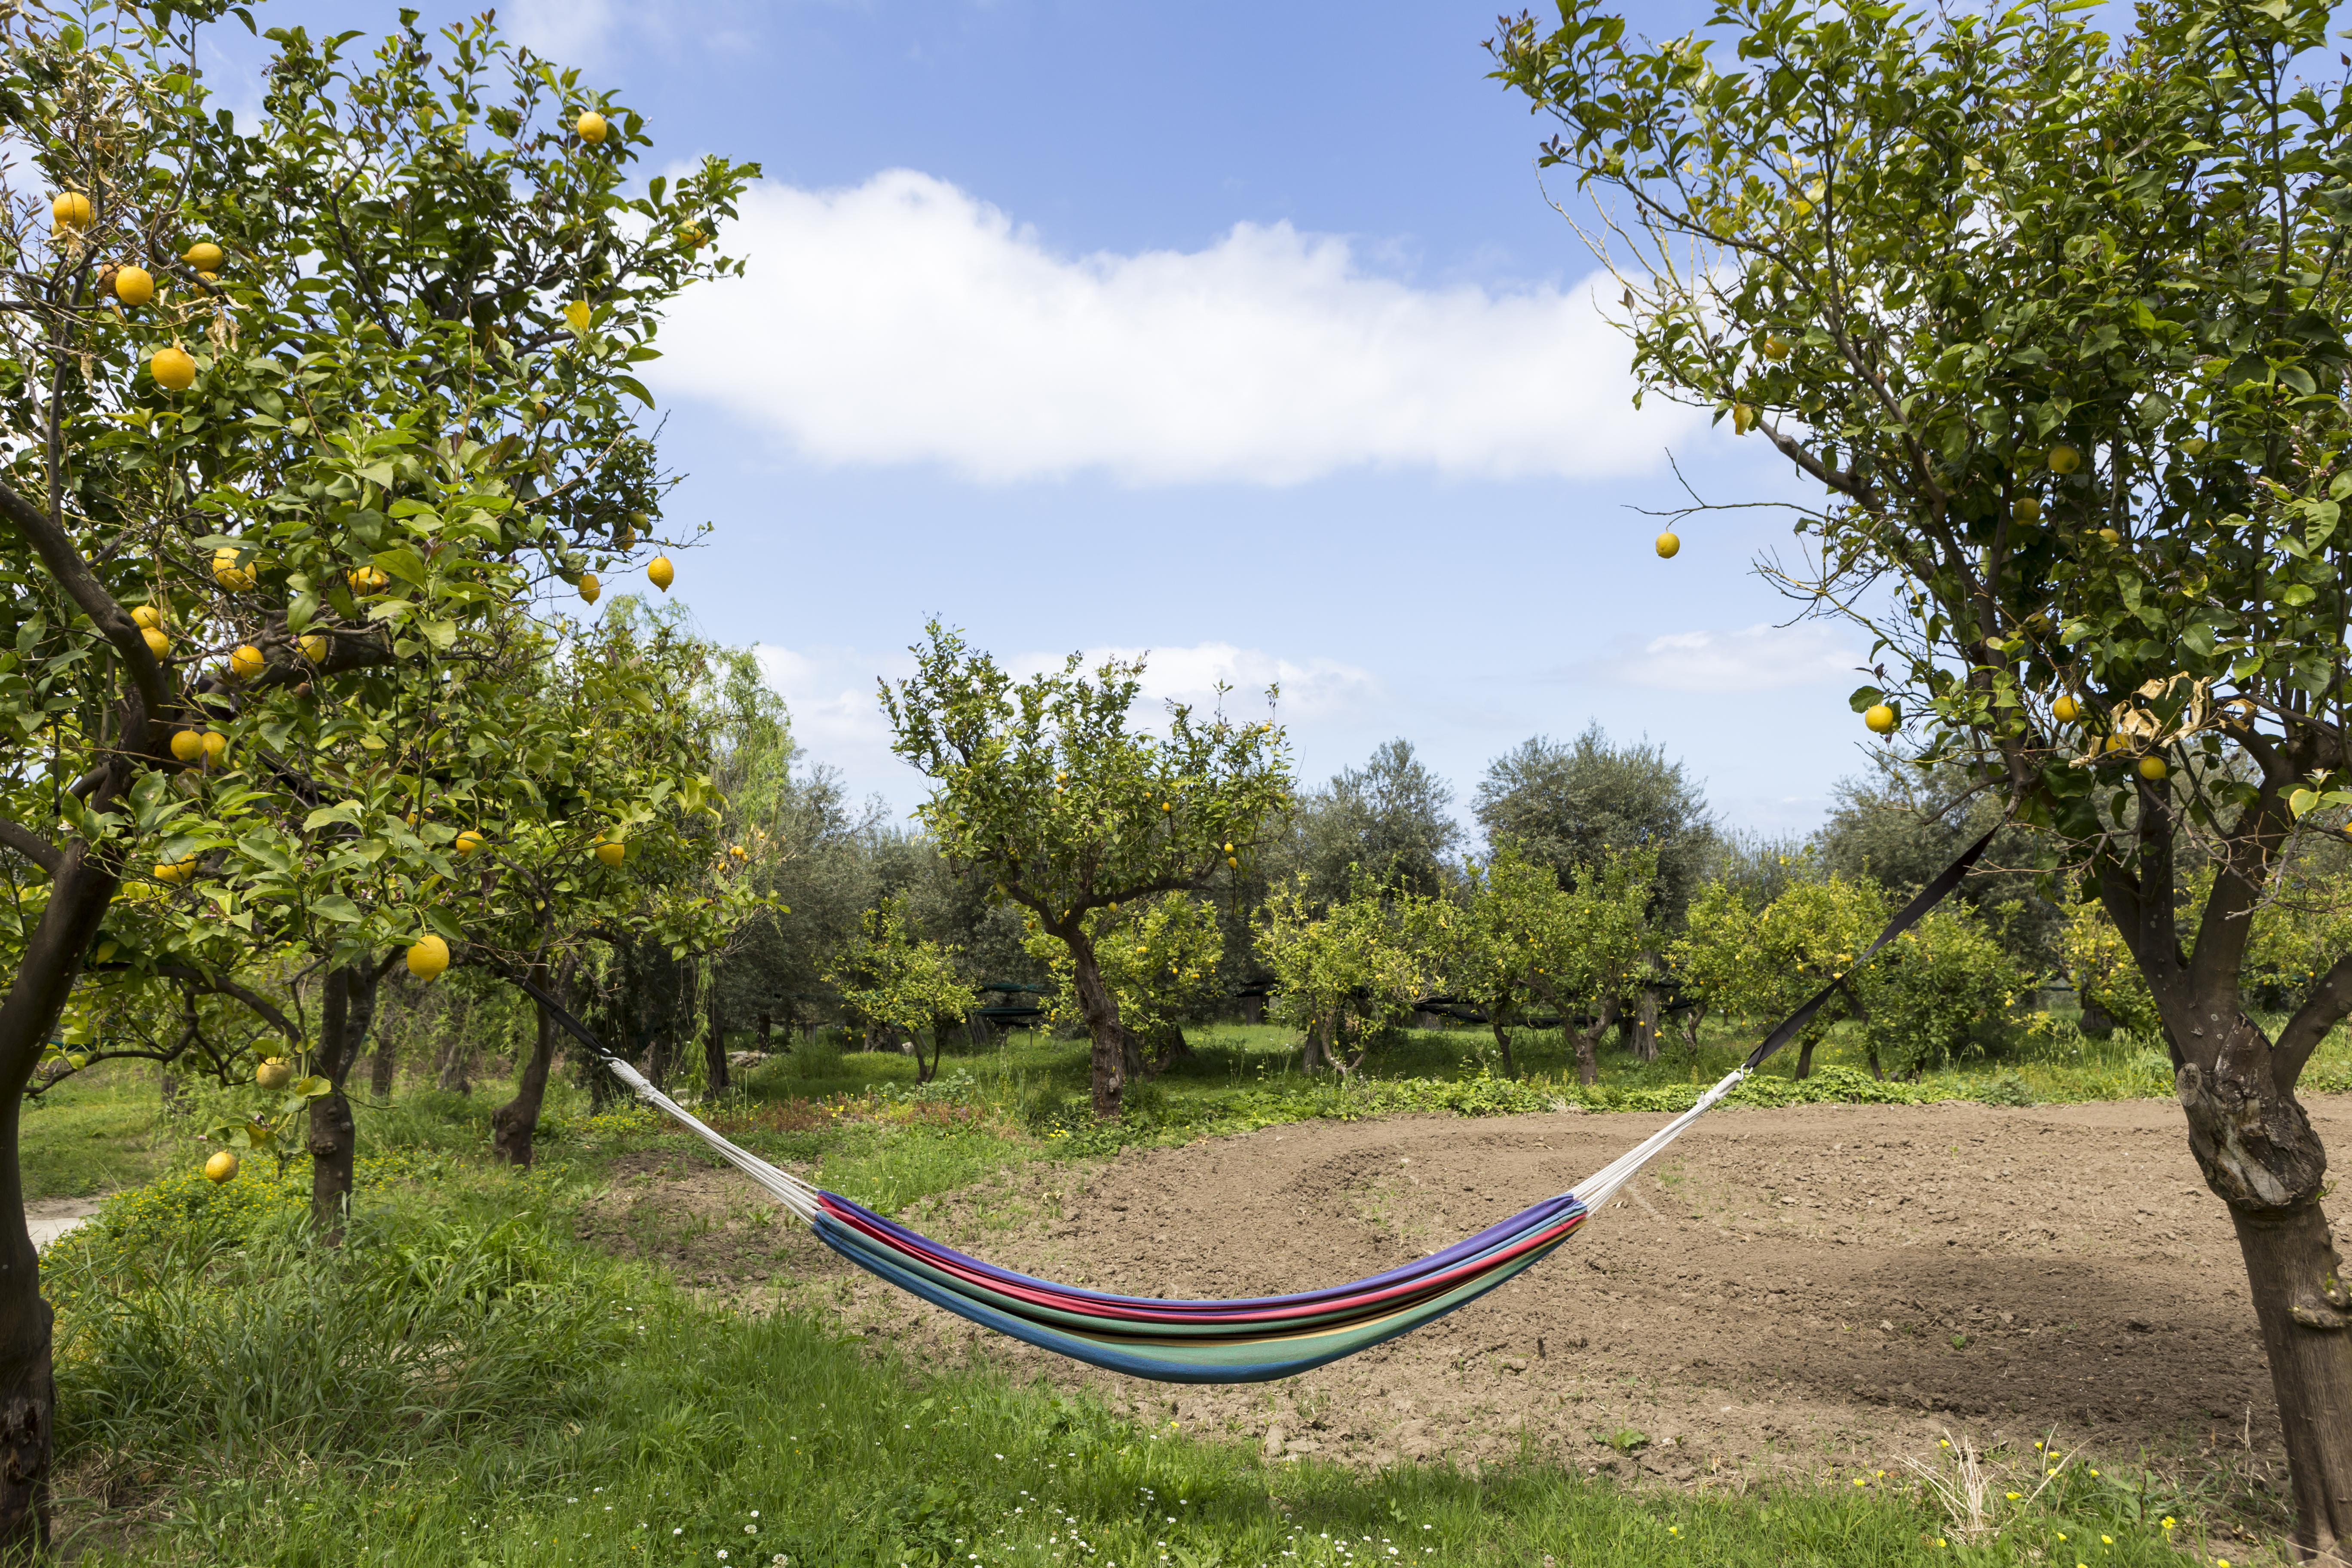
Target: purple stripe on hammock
1527,1218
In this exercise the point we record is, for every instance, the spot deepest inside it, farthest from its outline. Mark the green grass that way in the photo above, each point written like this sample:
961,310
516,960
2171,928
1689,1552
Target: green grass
244,1398
467,1386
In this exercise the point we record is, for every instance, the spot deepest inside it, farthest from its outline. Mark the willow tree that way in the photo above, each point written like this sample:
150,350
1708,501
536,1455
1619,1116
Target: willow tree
299,417
1043,788
2055,322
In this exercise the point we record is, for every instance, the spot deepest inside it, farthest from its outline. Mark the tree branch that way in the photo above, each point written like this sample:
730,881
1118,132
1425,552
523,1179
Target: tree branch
65,563
2321,1011
260,1006
31,846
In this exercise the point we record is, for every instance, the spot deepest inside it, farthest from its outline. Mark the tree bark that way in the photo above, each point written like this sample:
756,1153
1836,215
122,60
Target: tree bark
514,1124
382,1067
1315,1054
80,889
1099,1009
714,1042
346,1014
1502,1043
1645,1022
2260,1156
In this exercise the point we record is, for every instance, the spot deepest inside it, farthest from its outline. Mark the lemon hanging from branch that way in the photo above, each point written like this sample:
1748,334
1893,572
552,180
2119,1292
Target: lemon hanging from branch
70,211
1669,545
174,368
661,573
134,285
221,1167
428,955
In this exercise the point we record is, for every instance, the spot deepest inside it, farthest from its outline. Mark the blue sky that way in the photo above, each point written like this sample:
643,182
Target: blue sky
1239,333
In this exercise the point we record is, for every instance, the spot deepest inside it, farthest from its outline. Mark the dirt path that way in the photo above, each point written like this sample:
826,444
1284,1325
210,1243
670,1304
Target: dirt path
1813,1288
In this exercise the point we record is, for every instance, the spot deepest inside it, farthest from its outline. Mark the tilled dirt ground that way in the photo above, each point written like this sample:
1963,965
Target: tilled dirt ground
1809,1288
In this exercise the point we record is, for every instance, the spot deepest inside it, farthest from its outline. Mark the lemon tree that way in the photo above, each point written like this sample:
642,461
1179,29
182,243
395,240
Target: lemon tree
1349,970
1484,955
307,415
1043,791
1763,962
1159,959
2054,320
902,982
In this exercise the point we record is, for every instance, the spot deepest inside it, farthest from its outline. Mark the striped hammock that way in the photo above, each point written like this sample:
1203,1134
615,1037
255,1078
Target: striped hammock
1252,1339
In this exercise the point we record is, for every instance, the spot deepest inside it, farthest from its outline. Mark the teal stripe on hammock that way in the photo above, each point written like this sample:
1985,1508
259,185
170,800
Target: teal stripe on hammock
1153,1331
1255,1360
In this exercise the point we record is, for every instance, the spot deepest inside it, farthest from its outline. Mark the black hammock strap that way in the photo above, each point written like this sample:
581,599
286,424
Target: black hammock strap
1926,898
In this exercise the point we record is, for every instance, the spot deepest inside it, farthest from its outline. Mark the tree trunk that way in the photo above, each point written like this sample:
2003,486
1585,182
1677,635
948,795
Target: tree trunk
1502,1043
714,1043
1588,1041
767,1023
1316,1055
1693,1016
1645,1022
2095,1021
79,892
346,1014
514,1124
381,1067
2258,1154
1805,1045
1099,1009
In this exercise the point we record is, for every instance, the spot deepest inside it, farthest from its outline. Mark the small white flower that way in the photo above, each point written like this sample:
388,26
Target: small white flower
751,1530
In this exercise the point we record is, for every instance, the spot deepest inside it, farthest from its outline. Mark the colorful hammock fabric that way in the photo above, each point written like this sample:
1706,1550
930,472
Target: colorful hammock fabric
1247,1340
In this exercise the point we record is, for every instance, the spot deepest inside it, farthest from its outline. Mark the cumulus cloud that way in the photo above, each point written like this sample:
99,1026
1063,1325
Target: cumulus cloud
1759,658
905,321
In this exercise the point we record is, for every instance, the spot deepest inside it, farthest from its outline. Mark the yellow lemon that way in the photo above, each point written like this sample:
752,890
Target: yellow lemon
70,209
1669,544
661,572
2065,459
173,368
368,580
694,234
1743,419
274,1074
204,255
157,643
2116,743
1231,861
2066,710
134,285
2026,509
2151,768
221,1167
612,852
175,870
1881,719
187,746
590,589
146,615
467,842
215,746
313,646
227,572
245,662
1775,346
428,956
591,127
1229,848
2110,536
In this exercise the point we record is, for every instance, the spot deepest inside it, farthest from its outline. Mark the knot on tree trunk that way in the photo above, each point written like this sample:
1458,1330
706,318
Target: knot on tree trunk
2253,1142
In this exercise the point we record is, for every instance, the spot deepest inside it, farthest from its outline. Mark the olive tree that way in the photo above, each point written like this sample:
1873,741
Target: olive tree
2055,323
1043,787
295,414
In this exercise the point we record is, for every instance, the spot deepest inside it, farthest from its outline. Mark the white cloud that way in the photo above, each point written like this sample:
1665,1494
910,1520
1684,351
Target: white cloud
838,720
1759,658
904,322
570,32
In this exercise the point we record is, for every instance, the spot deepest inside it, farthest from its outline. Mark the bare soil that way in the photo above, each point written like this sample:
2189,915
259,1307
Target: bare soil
1814,1290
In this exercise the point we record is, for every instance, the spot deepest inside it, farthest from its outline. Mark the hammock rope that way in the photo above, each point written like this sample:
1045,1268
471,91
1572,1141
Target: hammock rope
1252,1340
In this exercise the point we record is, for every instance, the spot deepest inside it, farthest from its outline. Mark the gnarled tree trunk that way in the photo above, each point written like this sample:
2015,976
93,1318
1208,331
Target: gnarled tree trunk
80,889
1108,1066
346,1014
515,1124
714,1041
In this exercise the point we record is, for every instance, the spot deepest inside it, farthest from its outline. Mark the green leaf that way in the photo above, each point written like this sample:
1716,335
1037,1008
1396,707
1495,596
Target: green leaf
404,564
